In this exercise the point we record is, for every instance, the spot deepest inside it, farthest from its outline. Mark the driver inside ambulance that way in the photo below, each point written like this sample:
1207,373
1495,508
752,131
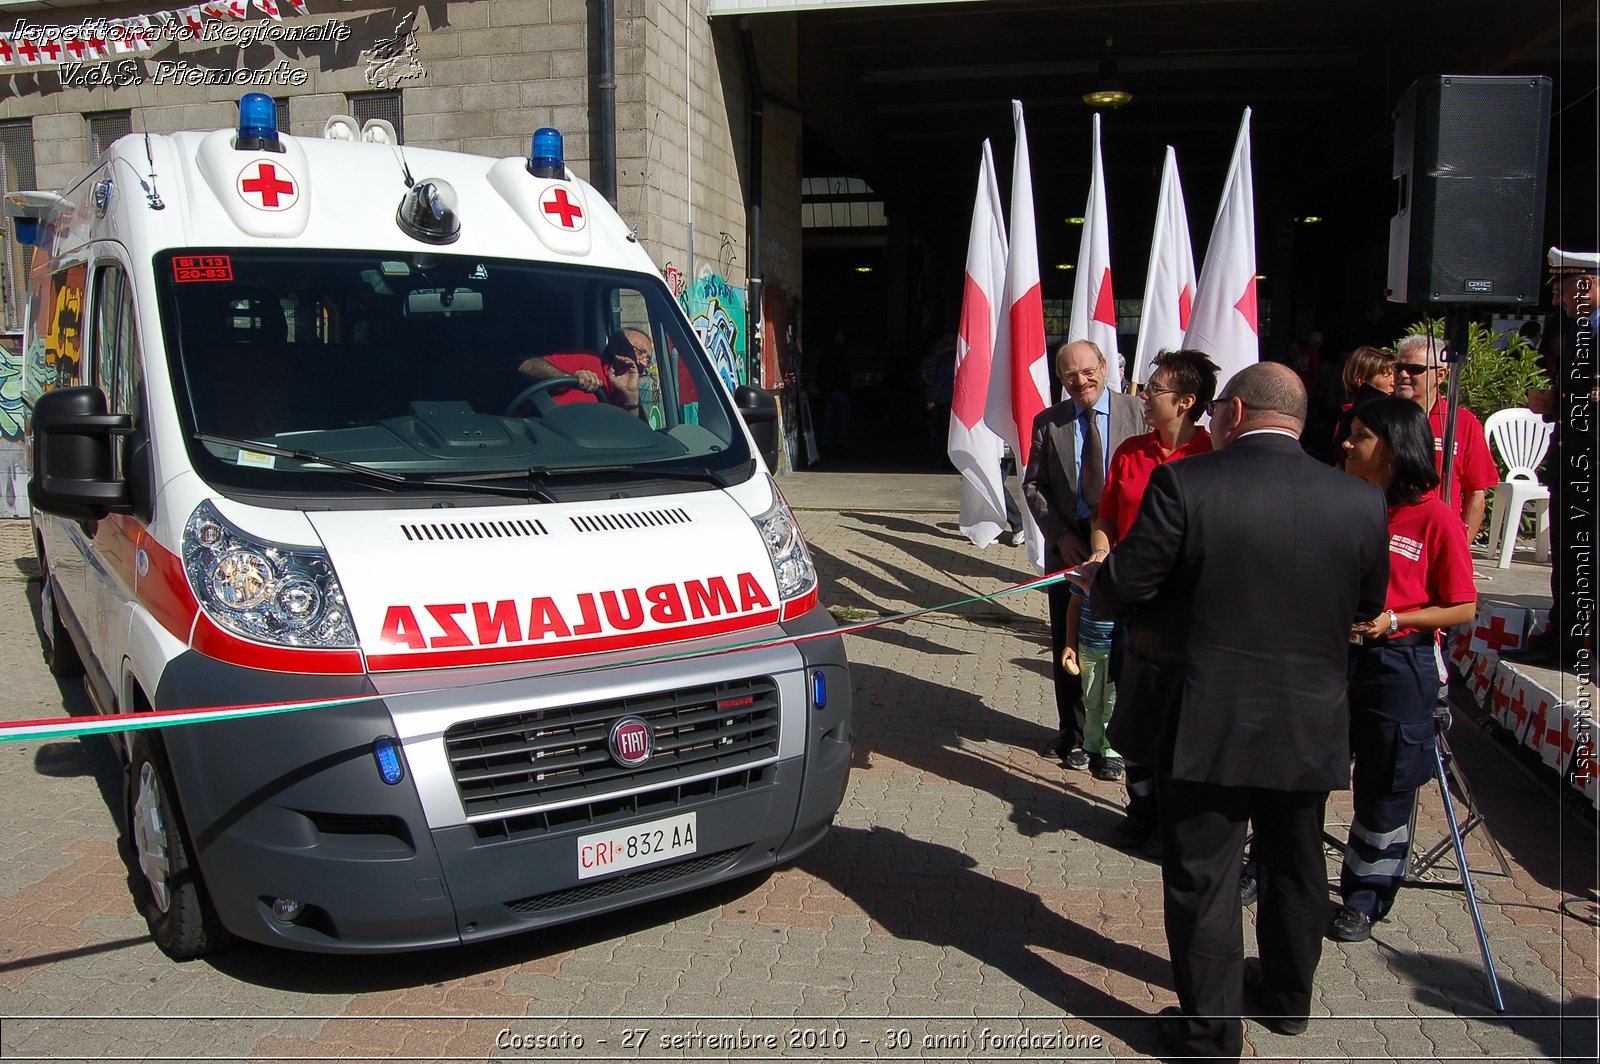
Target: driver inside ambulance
612,377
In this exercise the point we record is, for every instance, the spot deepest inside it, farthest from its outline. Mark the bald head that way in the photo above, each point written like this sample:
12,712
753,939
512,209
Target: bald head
1272,398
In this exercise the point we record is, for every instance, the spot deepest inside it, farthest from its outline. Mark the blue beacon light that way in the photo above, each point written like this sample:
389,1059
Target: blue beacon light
547,158
819,690
258,123
387,753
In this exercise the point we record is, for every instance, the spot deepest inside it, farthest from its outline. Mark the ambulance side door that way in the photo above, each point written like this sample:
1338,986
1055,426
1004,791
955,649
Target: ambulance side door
116,368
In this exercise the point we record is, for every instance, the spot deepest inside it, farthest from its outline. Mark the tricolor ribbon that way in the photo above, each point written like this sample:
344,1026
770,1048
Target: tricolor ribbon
67,727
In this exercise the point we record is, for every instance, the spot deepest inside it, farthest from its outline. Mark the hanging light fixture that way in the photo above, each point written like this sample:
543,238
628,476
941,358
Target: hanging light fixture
1110,91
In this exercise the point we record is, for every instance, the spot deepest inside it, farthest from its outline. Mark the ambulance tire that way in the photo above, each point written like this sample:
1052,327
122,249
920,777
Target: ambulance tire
60,653
167,884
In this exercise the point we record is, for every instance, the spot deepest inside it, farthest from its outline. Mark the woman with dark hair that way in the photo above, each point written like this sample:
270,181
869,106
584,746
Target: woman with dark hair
1395,671
1181,384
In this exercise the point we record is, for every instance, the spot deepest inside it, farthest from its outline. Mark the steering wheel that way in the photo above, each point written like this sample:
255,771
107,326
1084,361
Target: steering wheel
535,393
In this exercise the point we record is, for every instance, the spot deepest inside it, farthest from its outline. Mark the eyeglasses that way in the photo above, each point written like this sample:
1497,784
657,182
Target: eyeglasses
1211,407
1415,369
1155,389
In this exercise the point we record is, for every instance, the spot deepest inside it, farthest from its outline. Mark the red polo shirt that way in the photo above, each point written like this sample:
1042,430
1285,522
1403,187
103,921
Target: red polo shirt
1429,562
1474,468
1129,475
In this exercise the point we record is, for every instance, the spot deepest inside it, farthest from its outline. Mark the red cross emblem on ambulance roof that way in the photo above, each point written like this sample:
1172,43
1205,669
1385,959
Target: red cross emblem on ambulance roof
268,186
560,211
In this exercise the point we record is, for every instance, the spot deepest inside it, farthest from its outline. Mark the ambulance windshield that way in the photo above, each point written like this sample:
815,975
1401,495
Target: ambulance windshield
431,366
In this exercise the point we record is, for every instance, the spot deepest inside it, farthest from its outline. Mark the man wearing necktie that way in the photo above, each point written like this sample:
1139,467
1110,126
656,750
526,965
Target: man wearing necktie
1072,442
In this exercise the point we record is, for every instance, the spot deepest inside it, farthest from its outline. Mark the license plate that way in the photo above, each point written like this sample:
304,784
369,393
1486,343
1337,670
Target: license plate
632,847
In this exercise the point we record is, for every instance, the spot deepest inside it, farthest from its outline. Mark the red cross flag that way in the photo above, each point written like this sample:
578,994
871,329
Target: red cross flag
1170,285
975,449
1019,384
8,55
1094,308
269,8
268,186
560,211
1224,320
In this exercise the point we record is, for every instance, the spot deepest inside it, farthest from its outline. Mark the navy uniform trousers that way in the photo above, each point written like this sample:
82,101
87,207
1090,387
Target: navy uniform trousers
1393,690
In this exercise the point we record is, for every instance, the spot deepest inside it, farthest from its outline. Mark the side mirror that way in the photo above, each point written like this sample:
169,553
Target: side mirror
760,412
72,447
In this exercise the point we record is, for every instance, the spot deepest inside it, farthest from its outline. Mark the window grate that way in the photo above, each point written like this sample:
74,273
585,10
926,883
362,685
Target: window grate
104,128
384,105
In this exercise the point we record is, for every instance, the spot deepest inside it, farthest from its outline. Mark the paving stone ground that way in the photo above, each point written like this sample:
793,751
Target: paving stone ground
964,906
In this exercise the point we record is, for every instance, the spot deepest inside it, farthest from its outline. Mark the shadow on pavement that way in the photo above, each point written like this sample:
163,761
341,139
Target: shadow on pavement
931,893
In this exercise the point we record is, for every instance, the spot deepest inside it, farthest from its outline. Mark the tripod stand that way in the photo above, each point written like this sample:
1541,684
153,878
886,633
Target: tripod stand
1446,770
1422,863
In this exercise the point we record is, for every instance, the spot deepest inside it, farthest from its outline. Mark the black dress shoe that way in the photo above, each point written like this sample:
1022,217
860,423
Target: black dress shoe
1077,758
1058,747
1350,925
1133,832
1255,984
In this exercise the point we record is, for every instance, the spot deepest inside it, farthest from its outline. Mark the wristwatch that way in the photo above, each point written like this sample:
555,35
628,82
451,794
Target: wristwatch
1394,622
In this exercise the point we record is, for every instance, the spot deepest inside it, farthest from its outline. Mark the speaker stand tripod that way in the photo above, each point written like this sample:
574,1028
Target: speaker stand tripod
1423,863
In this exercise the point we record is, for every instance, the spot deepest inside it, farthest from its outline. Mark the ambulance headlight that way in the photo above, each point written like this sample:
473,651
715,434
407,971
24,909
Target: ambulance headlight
264,591
791,561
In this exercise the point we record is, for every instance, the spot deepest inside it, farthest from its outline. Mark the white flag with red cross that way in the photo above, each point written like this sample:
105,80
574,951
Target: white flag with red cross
1224,323
1170,286
1094,307
975,449
1019,383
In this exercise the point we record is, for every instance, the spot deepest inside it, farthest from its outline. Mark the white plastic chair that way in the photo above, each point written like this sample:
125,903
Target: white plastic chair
1521,439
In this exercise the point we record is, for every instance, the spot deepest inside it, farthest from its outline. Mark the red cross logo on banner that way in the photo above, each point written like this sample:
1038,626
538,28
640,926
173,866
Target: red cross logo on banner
51,51
6,54
76,48
28,51
268,187
1519,711
1495,635
1560,739
561,212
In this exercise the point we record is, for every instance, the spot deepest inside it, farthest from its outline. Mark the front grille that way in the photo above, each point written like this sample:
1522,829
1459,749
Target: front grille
559,757
607,888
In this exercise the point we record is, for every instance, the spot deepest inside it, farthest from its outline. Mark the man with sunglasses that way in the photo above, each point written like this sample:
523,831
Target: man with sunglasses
1419,372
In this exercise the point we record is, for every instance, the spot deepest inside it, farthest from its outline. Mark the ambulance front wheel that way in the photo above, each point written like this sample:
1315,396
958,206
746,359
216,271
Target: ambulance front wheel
535,393
168,888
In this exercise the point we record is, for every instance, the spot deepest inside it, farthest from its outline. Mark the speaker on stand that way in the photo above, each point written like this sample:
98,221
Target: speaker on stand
1470,169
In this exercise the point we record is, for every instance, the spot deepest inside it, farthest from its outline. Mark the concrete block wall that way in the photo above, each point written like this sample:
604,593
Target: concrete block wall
493,71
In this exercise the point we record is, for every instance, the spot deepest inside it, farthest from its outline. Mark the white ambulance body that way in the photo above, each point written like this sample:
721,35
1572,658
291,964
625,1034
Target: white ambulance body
287,448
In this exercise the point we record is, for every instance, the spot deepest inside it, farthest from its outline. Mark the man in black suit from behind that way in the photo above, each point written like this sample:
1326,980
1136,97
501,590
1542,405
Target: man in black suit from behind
1240,581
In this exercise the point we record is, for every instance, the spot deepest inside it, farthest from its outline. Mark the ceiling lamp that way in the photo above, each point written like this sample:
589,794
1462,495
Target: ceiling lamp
1109,92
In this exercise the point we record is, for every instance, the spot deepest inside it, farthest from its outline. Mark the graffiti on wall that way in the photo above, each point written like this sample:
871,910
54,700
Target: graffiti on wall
716,309
13,470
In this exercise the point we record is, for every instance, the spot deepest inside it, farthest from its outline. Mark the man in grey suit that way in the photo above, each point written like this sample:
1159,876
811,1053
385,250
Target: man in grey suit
1240,582
1071,449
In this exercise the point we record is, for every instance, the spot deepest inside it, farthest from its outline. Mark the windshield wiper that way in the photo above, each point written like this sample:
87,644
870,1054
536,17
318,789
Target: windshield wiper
303,455
702,474
382,475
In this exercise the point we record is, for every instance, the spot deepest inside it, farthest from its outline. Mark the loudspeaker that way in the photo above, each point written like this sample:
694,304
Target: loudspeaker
1470,169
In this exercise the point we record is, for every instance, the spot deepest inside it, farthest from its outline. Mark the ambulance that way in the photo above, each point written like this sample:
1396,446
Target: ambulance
421,441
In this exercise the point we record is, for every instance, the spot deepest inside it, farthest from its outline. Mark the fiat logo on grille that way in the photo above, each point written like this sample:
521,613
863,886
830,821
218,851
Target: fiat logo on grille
631,742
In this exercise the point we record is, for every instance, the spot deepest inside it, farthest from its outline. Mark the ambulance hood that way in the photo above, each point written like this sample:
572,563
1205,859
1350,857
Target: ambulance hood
472,586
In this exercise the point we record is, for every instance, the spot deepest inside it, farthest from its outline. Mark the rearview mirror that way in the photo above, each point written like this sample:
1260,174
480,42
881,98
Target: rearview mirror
444,301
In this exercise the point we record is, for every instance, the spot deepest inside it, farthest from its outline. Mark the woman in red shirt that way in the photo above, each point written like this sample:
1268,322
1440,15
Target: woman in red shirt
1394,669
1181,385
